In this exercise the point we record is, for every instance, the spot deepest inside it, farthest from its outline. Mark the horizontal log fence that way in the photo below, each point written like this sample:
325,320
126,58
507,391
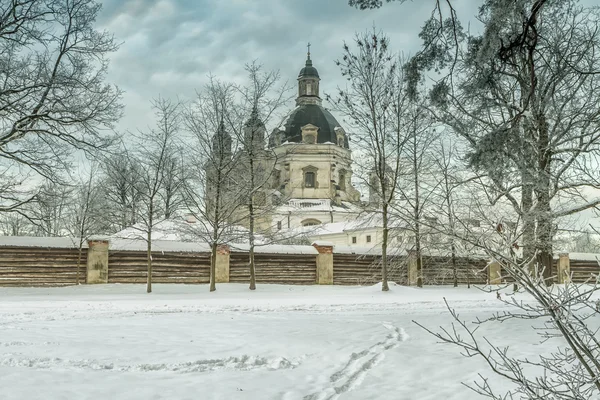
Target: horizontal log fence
56,264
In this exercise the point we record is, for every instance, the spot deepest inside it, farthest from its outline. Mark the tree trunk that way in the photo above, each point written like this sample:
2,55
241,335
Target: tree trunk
252,268
384,245
454,266
213,266
544,235
80,250
251,224
149,256
251,253
528,225
545,230
417,211
419,258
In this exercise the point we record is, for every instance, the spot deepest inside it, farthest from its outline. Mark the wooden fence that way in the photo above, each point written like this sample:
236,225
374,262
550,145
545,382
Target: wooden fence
56,265
291,269
38,266
172,267
440,271
365,269
584,271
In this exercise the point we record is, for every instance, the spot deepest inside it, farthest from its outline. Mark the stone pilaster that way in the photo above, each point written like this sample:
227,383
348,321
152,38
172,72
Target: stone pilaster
324,263
494,273
563,268
412,268
97,261
222,264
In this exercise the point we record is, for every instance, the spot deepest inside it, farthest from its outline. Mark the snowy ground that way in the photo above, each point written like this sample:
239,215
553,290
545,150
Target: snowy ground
280,342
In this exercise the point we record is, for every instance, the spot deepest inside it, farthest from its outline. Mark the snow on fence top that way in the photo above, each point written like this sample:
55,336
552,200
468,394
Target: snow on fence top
276,249
118,244
584,256
47,242
363,250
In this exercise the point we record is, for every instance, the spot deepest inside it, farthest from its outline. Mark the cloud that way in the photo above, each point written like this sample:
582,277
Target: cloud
169,47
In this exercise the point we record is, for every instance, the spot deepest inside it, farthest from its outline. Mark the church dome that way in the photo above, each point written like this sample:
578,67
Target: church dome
309,112
306,114
308,70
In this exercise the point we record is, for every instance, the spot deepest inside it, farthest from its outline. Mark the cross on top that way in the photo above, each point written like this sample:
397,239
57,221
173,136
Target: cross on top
308,46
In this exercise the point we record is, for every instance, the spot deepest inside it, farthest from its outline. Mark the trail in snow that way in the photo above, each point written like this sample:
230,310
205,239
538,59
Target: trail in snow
354,371
243,363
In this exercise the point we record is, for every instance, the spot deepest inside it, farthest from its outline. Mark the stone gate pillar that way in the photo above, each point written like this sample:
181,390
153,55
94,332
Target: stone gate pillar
412,268
97,261
222,264
494,273
324,262
563,268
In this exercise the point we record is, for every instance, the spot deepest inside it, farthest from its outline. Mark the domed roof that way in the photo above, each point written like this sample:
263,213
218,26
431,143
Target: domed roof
308,71
309,114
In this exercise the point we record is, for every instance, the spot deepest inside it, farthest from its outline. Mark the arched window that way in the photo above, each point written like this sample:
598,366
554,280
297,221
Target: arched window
309,179
276,179
311,222
342,180
309,175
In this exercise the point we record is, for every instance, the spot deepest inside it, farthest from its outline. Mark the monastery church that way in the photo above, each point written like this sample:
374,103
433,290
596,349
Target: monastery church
307,166
310,164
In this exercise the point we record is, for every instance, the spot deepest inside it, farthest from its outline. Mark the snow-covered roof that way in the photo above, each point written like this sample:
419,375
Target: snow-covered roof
582,256
366,221
47,242
312,205
121,244
275,249
177,229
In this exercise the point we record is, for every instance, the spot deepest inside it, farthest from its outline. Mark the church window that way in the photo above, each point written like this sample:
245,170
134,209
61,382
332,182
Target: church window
276,179
340,141
275,200
342,182
308,89
309,179
353,239
311,222
278,225
368,238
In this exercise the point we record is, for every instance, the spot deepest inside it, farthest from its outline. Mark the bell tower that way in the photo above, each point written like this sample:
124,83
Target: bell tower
308,83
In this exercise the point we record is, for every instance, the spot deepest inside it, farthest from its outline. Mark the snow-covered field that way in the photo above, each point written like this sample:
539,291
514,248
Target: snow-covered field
280,342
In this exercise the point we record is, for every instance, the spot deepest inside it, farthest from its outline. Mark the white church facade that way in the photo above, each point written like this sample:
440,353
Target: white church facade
309,163
313,168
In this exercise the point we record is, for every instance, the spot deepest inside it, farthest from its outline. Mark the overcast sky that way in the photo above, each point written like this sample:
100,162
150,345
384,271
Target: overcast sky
169,47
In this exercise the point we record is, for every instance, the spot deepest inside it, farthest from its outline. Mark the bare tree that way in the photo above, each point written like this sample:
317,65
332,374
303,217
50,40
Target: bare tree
53,98
570,372
174,175
374,102
525,109
155,149
86,213
259,102
122,189
415,183
50,209
452,202
15,224
211,192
